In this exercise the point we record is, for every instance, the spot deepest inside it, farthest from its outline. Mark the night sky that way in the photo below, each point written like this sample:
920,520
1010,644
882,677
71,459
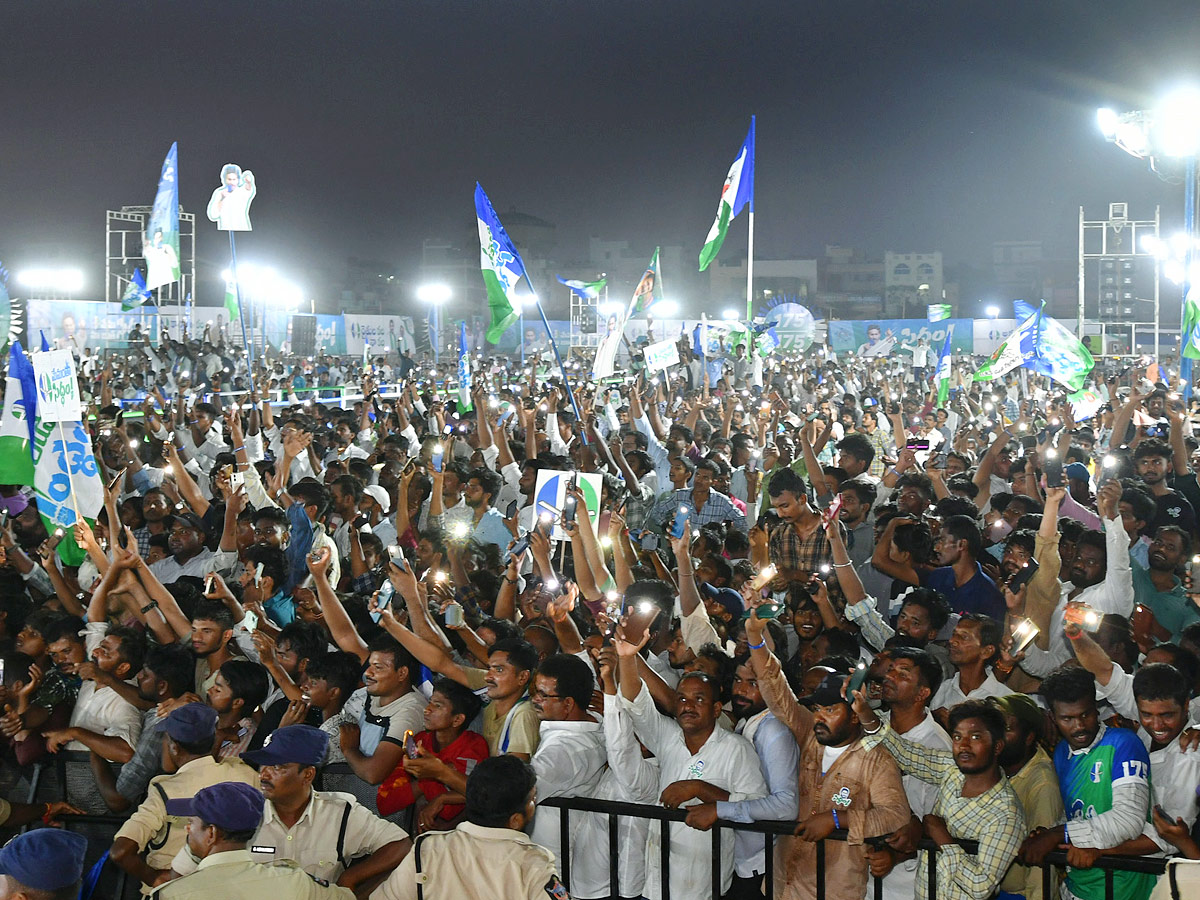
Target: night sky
907,126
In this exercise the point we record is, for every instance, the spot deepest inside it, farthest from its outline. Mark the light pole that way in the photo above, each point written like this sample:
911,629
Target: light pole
435,295
1171,130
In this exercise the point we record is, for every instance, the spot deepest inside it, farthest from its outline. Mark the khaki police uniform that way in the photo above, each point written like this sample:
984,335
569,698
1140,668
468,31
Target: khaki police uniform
333,830
474,863
233,875
161,835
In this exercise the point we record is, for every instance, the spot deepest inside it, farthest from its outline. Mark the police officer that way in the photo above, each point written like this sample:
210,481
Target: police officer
321,830
222,820
190,730
488,855
46,864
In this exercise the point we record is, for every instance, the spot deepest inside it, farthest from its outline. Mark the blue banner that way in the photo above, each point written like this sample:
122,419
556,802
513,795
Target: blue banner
859,337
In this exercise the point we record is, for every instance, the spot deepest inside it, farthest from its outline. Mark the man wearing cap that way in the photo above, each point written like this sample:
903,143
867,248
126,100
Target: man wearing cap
222,821
321,831
843,784
376,504
189,731
44,864
1031,773
189,556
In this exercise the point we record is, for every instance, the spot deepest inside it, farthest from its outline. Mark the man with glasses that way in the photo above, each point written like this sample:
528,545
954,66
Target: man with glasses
571,753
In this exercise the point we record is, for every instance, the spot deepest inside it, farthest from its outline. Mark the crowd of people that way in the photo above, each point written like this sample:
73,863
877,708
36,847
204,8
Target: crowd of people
338,642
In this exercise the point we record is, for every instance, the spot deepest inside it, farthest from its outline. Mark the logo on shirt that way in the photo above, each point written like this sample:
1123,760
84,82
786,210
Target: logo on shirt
696,769
555,889
842,797
1174,511
1097,771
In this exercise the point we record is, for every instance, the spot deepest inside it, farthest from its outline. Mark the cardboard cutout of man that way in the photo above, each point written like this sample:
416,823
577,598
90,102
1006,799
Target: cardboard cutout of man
229,205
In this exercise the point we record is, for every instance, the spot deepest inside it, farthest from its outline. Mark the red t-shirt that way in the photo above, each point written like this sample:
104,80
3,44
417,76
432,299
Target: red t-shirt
396,791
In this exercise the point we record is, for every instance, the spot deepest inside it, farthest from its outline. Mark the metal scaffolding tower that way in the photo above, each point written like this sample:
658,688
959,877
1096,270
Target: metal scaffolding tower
124,231
1122,276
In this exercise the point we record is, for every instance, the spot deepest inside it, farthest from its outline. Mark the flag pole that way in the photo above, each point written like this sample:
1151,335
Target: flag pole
750,268
558,359
237,287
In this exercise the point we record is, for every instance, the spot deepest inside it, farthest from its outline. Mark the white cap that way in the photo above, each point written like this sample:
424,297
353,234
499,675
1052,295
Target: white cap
380,495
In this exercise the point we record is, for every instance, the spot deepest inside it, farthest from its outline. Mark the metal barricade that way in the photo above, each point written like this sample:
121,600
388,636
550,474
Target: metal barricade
614,809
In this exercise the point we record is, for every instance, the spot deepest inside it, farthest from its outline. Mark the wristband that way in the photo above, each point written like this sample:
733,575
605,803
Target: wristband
153,604
1066,834
236,449
878,725
836,823
759,646
842,565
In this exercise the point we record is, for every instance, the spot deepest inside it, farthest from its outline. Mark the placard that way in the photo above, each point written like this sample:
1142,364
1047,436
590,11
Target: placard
57,386
662,355
552,489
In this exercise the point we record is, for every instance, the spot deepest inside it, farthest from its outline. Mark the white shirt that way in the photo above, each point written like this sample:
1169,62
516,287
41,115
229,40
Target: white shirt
568,762
169,571
1174,775
1112,595
727,760
102,709
951,692
900,883
631,778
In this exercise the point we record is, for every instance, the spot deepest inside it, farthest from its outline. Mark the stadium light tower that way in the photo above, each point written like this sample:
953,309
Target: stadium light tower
1171,130
435,295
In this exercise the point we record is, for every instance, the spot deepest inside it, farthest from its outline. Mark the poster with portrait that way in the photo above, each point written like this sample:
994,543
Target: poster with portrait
229,205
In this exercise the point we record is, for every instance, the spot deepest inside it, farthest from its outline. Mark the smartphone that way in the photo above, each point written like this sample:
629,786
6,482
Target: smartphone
521,545
1157,806
752,462
1023,636
830,512
396,555
4,518
386,592
410,745
769,610
258,570
917,445
568,510
111,486
1053,468
680,523
857,678
1084,616
436,457
1023,576
208,583
251,620
454,616
56,538
237,480
764,577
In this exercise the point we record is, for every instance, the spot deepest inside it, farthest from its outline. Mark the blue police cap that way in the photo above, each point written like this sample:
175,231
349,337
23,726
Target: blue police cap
45,859
301,744
230,805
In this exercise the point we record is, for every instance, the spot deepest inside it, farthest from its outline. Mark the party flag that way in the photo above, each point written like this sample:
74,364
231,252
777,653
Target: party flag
160,246
501,266
737,191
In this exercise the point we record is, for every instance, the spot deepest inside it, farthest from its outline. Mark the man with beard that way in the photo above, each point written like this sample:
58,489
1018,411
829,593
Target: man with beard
842,783
975,800
960,578
1100,577
779,759
1153,459
156,509
704,504
923,614
1031,774
485,525
911,679
189,556
1159,592
167,673
1104,777
212,633
858,496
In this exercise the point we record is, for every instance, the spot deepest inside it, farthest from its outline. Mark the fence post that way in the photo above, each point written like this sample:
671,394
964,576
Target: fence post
932,874
614,887
664,852
820,870
716,862
769,851
564,843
